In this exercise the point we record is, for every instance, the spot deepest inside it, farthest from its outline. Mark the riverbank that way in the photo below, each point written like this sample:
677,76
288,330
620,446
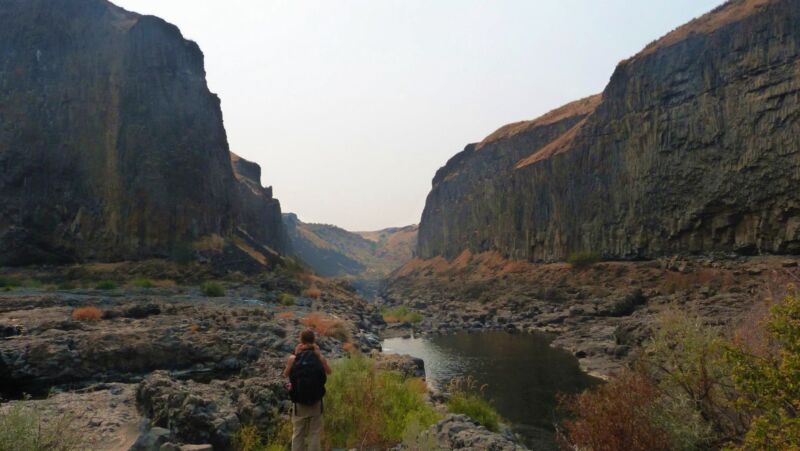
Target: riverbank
601,312
125,358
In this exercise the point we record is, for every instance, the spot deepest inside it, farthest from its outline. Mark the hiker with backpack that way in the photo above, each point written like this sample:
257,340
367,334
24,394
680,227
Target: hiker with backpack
307,371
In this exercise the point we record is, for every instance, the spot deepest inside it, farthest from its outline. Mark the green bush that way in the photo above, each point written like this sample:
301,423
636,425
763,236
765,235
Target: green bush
182,253
249,438
369,408
466,398
212,289
23,428
769,385
286,299
401,314
583,259
9,282
143,283
67,285
106,285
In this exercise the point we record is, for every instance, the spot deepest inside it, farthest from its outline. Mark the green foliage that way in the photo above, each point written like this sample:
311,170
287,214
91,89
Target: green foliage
143,283
466,398
369,408
249,438
401,314
9,282
286,299
106,285
67,285
212,289
24,429
770,384
583,259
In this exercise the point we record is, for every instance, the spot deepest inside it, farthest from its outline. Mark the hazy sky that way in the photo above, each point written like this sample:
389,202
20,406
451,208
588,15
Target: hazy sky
350,106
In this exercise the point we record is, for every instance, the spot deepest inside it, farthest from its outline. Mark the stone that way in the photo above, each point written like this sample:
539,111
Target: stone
97,164
661,163
152,440
456,432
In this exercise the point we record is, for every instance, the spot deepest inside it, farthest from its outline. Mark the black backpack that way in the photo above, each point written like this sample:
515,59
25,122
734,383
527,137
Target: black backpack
308,379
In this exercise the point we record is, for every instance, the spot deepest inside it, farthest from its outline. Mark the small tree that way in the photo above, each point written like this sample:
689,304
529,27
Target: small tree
770,384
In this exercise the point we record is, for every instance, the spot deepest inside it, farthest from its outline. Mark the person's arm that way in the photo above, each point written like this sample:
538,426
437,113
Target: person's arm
288,369
322,359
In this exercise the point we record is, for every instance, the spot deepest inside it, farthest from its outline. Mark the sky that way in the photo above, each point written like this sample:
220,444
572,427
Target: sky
350,106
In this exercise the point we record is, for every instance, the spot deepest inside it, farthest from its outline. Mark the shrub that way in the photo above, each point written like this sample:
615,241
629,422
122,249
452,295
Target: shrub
467,398
327,325
143,283
614,416
366,408
768,384
312,292
182,253
9,282
583,259
286,299
106,285
401,314
23,428
89,313
67,285
249,438
212,289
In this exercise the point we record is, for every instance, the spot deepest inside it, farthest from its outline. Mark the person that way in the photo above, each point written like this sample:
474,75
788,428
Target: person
307,371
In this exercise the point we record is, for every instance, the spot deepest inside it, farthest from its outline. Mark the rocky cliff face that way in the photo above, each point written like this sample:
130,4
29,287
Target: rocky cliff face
691,148
111,145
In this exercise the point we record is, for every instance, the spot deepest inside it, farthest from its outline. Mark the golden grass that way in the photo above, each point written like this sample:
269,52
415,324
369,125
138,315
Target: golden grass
211,242
89,313
328,326
312,292
284,315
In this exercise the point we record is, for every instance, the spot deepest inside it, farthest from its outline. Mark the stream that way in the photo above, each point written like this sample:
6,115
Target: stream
522,373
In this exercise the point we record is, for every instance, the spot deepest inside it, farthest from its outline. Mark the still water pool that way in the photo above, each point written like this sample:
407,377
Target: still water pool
522,373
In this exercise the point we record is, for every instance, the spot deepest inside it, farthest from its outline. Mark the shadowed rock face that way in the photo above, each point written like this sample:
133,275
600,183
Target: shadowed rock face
111,145
691,148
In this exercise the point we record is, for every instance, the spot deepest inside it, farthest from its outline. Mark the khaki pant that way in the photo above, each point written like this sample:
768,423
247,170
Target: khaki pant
306,433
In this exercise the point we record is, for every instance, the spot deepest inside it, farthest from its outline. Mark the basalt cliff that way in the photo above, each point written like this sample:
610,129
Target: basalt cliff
112,147
692,148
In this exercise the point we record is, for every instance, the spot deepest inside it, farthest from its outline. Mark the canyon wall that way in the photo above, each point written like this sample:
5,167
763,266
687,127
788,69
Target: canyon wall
111,144
691,148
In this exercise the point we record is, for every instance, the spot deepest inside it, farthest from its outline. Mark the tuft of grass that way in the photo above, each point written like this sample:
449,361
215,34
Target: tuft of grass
284,315
467,398
143,283
286,299
312,292
106,285
212,289
23,428
9,282
367,408
67,285
327,326
583,259
401,314
90,313
249,438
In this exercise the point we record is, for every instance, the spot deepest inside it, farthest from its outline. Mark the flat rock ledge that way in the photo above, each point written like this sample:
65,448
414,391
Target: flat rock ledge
462,432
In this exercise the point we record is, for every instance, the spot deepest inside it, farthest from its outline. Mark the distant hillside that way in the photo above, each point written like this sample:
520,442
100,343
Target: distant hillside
333,252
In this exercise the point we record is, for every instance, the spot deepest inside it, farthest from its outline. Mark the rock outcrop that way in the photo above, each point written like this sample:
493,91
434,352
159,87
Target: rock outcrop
462,432
691,148
111,145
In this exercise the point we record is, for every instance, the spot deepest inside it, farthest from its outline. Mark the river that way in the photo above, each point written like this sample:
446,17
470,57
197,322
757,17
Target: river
522,373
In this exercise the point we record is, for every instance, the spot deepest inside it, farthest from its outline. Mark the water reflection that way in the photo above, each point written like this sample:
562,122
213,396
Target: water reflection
522,372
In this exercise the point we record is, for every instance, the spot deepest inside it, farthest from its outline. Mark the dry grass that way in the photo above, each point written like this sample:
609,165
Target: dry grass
312,292
211,243
89,313
328,326
284,315
577,108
